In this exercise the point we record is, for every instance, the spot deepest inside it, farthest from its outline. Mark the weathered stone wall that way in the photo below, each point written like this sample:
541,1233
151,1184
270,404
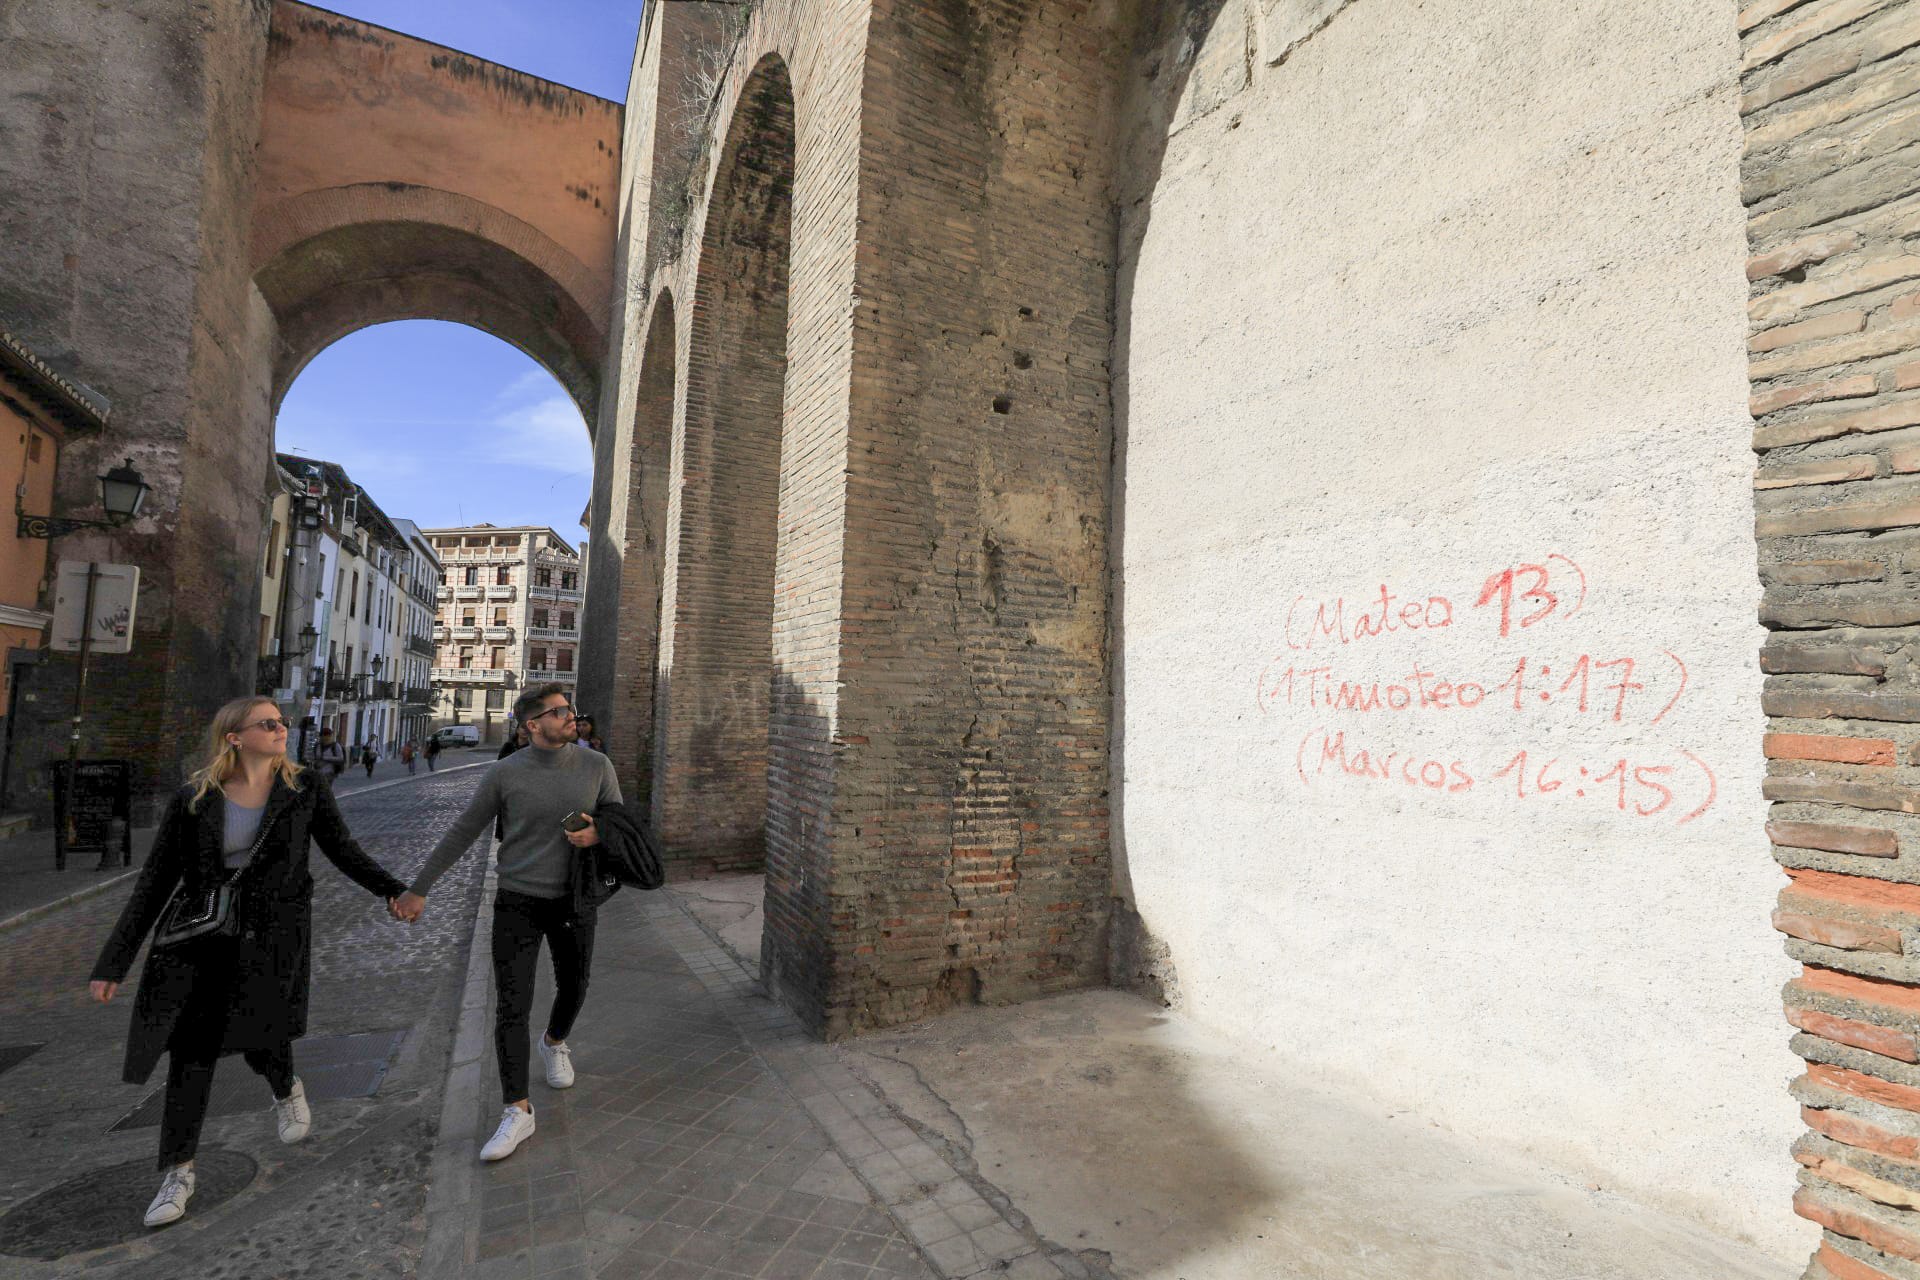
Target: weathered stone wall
970,811
632,444
1435,646
1831,97
126,138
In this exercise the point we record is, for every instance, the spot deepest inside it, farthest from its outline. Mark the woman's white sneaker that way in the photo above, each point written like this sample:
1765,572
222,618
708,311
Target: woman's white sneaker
559,1060
516,1126
176,1188
292,1114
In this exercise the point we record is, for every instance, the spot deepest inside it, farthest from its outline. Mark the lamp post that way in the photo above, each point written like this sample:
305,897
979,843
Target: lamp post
122,493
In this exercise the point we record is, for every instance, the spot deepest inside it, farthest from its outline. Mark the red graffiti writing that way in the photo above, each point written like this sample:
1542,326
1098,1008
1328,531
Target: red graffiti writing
1603,686
1526,594
1641,786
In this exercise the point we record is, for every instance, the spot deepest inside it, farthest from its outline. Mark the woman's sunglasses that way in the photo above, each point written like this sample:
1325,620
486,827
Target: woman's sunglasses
266,724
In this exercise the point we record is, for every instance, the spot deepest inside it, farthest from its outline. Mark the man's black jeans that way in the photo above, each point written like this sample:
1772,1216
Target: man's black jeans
190,1089
519,923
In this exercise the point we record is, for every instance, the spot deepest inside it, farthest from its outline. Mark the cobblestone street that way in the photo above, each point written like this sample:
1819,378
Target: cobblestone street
348,1201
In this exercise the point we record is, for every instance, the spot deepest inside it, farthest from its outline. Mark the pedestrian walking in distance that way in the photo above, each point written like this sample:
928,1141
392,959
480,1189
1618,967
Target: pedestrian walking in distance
331,756
407,755
433,754
228,887
367,756
547,792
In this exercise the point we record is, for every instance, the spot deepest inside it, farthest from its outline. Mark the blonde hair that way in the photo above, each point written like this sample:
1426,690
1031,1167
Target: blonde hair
223,758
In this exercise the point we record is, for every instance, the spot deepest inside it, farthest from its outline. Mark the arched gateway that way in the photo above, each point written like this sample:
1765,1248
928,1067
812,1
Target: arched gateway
975,384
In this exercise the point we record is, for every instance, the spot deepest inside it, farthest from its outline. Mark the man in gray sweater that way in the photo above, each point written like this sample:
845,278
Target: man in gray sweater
533,791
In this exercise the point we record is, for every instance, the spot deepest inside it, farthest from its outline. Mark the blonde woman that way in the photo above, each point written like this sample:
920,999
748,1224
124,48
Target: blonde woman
238,984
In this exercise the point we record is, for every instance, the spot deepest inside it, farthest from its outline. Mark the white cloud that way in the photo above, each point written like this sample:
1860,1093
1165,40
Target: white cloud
546,434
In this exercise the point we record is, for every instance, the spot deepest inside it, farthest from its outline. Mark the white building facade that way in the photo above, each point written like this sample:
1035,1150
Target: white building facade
508,616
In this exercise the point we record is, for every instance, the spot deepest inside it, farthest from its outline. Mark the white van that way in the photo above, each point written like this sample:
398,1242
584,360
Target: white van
457,735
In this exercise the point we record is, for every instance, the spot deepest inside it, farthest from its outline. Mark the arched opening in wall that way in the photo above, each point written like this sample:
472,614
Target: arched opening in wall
712,799
630,739
424,558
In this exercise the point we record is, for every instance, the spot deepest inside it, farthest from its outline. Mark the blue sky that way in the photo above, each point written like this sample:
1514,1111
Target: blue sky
441,423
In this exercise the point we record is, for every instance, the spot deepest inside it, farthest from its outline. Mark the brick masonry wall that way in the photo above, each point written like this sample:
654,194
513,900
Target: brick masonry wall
817,49
1831,101
971,843
631,701
713,802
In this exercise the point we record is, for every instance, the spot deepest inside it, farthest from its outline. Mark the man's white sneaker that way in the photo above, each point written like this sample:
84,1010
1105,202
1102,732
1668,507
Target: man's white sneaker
292,1114
516,1126
559,1060
176,1188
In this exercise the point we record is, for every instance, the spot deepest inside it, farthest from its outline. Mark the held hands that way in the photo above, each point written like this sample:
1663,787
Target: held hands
407,907
102,991
586,837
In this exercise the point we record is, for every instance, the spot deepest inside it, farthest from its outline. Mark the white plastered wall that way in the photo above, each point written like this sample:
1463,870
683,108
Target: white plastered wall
1456,288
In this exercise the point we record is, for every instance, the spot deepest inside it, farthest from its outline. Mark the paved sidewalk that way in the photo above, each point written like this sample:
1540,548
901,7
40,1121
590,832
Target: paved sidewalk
707,1136
30,887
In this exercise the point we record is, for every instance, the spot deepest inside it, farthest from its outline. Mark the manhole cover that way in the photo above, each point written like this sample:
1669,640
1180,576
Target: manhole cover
330,1067
105,1207
12,1055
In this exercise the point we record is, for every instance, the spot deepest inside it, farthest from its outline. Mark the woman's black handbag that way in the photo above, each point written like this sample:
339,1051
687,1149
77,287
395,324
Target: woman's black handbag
214,912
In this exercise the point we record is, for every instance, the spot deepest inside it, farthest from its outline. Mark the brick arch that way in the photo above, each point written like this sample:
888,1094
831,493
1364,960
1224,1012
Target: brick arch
633,713
334,261
313,213
712,806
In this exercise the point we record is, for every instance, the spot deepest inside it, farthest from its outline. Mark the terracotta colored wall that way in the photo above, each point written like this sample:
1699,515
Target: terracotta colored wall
23,561
348,102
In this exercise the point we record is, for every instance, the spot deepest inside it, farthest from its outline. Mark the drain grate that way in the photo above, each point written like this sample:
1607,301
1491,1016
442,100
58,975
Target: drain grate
12,1055
330,1067
104,1207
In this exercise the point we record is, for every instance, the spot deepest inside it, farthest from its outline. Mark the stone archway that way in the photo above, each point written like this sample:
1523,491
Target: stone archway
634,711
716,674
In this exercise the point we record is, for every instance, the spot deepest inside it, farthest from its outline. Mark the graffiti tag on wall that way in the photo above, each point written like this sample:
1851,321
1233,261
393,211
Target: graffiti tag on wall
1536,691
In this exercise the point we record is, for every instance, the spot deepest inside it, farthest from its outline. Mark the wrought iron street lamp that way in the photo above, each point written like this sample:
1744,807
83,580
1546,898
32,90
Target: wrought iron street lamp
122,492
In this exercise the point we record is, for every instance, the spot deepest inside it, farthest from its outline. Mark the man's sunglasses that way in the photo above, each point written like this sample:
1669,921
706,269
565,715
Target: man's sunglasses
562,710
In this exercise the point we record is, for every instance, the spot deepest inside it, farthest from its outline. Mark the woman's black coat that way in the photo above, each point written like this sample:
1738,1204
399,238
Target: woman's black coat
265,972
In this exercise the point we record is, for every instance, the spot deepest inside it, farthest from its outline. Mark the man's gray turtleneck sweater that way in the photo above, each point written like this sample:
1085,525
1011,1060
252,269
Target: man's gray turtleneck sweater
534,788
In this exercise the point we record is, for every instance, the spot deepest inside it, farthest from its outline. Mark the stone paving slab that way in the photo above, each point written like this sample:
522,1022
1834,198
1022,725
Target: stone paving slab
708,1136
678,1155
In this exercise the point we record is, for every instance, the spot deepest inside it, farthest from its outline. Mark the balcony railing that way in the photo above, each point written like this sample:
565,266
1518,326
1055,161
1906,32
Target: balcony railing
469,675
497,592
419,696
497,633
443,593
420,645
266,679
343,688
546,673
469,593
464,632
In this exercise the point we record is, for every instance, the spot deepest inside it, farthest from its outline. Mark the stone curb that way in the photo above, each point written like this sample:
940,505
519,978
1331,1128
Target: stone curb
960,1232
453,1219
78,895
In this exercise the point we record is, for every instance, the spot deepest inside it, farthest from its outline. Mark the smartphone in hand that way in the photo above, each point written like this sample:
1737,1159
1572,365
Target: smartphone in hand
575,821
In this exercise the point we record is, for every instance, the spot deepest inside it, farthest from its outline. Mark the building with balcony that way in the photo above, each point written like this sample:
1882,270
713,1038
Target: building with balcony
352,625
508,616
